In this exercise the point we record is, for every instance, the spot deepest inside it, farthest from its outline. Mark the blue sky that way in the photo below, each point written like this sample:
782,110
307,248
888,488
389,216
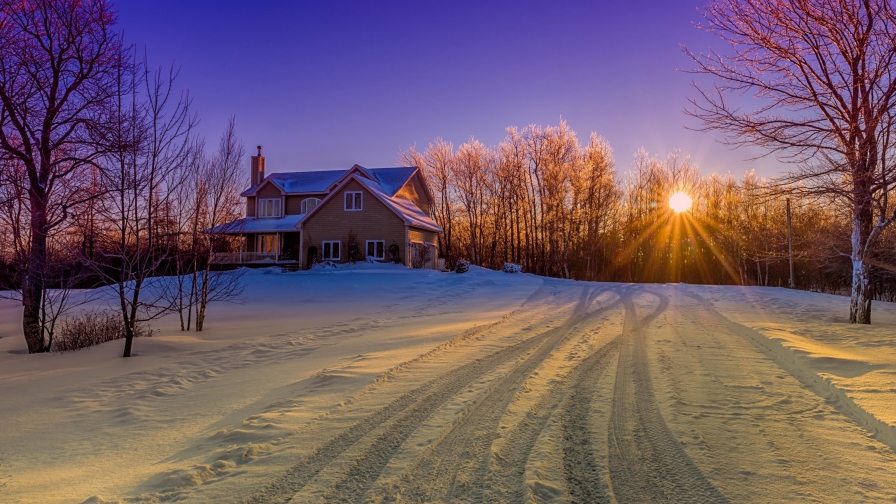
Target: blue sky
325,85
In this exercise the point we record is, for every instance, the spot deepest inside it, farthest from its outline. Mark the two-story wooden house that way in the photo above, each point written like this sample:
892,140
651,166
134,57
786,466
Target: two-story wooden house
378,213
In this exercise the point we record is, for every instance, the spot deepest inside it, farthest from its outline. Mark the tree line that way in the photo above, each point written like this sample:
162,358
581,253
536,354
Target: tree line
560,207
103,181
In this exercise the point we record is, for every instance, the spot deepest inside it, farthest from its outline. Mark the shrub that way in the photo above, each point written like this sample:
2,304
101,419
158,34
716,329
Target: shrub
512,268
312,256
354,253
92,328
394,255
353,248
420,255
462,266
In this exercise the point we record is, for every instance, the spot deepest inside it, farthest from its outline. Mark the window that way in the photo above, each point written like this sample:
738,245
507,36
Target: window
352,200
268,244
376,249
269,207
308,204
331,251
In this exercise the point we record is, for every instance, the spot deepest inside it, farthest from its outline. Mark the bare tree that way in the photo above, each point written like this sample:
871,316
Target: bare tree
470,176
438,163
822,72
185,212
57,62
222,181
148,141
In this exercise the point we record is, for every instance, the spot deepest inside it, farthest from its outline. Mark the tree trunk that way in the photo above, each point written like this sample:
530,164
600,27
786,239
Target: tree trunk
33,288
128,339
203,301
860,296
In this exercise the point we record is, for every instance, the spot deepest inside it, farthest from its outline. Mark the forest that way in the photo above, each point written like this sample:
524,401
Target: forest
561,207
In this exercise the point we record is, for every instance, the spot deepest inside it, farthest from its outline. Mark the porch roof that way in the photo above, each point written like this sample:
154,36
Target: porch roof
254,225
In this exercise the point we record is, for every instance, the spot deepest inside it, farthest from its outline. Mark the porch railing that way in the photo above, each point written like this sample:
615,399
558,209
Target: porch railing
244,257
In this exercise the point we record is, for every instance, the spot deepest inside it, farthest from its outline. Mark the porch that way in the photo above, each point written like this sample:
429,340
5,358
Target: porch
249,258
261,248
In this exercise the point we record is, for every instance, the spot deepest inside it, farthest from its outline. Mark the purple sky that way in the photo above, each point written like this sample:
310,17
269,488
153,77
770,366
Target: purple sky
326,84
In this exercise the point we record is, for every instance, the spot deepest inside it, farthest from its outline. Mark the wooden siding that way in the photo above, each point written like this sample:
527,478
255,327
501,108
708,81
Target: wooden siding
294,203
269,191
414,191
422,236
250,206
374,222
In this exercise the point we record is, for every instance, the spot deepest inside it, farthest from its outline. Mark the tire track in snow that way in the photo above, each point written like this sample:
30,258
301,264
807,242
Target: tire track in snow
646,461
458,461
410,407
787,360
506,479
455,465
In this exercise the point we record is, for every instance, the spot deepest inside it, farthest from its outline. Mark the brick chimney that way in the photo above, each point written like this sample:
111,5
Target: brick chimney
257,173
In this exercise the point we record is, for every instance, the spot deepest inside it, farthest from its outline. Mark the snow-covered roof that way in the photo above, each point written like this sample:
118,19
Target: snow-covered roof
390,179
405,208
253,225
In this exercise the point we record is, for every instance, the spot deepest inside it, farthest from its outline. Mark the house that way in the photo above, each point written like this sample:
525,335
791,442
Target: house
335,215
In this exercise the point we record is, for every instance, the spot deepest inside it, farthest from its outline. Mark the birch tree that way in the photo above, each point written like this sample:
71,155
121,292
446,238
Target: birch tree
812,81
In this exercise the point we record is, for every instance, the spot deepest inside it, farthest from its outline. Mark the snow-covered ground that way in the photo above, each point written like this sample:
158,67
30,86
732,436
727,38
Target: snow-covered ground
384,384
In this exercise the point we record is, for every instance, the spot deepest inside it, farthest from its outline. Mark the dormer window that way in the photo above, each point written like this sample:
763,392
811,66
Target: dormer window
308,204
269,207
353,201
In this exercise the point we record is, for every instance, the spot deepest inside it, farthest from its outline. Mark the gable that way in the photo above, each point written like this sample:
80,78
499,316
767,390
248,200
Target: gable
415,191
331,213
268,190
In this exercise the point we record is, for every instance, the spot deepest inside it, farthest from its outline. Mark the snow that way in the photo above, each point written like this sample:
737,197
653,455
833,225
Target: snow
305,182
392,179
252,225
372,381
405,208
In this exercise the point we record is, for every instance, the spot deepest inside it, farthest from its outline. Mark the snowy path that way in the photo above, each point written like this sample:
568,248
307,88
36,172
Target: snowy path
481,388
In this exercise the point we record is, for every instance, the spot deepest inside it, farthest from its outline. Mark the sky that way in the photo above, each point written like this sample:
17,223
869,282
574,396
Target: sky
327,84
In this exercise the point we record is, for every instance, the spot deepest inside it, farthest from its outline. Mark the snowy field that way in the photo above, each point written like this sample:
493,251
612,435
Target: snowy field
385,384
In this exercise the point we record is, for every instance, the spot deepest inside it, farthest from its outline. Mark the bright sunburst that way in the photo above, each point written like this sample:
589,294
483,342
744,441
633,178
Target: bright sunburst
680,202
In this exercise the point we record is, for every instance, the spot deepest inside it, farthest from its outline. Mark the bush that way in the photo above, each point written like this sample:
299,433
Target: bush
312,256
394,255
462,266
420,255
354,253
92,328
324,265
512,268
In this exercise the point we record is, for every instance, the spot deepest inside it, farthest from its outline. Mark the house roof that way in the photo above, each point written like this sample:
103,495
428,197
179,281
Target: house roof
390,179
404,208
383,183
254,225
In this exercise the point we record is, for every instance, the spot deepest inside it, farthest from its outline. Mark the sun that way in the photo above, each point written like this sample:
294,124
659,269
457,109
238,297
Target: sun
680,202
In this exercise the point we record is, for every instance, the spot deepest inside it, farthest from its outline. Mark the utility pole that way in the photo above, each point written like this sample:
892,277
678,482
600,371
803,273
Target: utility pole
790,242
